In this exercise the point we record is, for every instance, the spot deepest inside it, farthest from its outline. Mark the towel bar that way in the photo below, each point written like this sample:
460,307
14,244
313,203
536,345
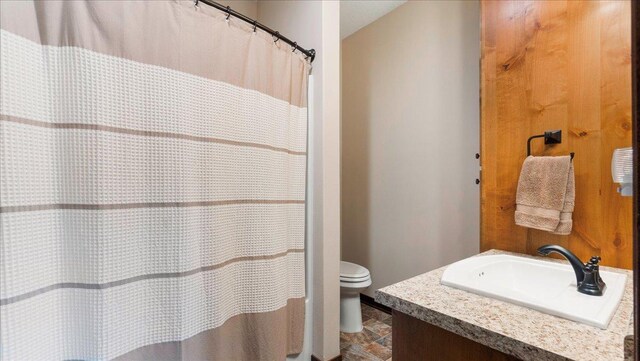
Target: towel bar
550,137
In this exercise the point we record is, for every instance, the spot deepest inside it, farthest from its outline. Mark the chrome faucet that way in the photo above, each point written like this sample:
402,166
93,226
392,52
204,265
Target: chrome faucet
587,274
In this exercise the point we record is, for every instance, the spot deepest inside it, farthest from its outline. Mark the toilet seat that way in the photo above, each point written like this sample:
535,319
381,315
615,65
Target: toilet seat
352,271
354,276
355,285
354,280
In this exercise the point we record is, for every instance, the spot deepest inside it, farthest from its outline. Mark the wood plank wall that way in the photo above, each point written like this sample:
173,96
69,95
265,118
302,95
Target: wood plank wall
557,65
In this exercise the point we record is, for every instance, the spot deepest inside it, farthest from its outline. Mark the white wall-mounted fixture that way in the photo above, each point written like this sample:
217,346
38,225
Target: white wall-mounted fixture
622,170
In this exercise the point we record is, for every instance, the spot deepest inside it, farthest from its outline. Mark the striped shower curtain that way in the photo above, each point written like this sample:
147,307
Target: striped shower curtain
152,170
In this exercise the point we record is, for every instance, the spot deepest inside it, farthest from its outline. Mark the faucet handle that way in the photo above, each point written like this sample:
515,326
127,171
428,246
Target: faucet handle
595,260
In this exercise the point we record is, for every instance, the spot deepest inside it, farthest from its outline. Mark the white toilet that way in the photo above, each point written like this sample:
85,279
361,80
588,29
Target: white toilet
353,279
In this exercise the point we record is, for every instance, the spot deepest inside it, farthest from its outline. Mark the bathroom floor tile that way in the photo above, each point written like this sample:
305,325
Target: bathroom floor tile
371,312
385,341
358,353
360,338
378,327
373,343
378,351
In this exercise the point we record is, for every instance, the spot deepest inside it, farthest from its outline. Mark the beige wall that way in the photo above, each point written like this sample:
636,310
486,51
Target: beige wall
410,131
245,7
315,24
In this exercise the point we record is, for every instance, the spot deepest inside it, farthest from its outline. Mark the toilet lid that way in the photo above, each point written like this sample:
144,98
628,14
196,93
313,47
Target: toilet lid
350,270
354,280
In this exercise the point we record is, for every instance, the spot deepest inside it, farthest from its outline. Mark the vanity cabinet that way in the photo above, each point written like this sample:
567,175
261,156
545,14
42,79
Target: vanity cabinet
415,340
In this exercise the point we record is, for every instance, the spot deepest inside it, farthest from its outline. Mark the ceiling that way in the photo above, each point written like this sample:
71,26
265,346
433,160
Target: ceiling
356,14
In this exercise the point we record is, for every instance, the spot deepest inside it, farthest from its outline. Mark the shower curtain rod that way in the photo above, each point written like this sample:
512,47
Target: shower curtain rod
311,53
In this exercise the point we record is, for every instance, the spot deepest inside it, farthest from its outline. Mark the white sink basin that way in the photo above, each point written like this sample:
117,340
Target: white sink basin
548,287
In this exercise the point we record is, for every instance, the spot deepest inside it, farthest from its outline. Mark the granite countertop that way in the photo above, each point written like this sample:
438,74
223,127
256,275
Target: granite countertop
512,329
629,342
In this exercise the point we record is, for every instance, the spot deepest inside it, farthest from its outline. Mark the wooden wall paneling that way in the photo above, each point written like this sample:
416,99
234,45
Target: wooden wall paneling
497,188
584,134
616,109
635,78
556,65
547,77
635,91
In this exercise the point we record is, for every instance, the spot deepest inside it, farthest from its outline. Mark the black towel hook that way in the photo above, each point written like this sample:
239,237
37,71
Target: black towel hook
550,137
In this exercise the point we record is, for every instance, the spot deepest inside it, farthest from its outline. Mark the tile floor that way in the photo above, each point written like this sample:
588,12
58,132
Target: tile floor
373,343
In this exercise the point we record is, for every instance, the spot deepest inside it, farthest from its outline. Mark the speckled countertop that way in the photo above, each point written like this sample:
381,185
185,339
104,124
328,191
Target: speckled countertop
512,329
629,343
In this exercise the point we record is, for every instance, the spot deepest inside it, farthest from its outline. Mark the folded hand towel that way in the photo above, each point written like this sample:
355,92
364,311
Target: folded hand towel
566,221
546,194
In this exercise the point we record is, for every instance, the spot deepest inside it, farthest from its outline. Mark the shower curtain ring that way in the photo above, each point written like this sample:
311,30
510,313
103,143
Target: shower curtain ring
228,13
294,47
255,25
277,36
195,4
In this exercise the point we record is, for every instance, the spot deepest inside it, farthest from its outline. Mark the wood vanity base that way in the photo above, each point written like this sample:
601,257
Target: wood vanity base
415,340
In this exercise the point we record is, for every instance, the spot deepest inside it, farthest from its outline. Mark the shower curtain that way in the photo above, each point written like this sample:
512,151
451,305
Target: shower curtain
152,183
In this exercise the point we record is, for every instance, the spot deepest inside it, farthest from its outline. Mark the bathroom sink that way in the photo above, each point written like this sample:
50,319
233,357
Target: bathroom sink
545,286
